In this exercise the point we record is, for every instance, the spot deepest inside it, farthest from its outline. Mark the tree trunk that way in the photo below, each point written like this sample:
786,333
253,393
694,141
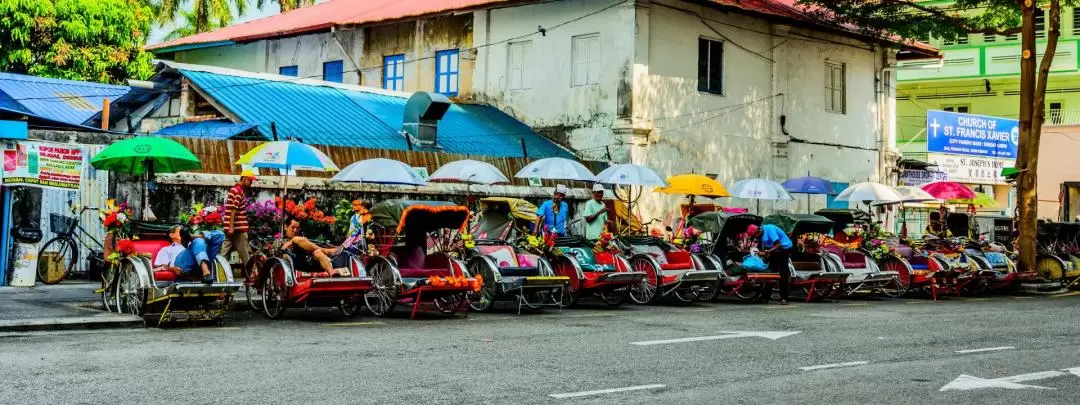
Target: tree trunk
1025,184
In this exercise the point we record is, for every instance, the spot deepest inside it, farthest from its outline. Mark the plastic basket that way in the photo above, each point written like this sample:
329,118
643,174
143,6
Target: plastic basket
60,223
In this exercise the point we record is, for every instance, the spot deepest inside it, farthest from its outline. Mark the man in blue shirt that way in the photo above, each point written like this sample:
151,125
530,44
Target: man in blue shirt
551,215
778,248
199,257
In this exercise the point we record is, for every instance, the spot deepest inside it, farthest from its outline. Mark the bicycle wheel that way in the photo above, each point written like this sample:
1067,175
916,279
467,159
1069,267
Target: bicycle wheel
63,258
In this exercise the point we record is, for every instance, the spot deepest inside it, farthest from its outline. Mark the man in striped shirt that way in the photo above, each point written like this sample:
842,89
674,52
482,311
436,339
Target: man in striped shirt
236,223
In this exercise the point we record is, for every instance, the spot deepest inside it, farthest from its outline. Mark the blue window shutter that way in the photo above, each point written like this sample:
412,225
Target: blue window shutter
288,71
394,72
447,71
830,201
332,71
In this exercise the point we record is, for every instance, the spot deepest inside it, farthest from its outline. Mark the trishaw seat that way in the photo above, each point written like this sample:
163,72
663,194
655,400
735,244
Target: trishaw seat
413,272
150,247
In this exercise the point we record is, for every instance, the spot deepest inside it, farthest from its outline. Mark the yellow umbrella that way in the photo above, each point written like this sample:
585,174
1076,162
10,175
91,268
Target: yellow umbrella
980,200
694,184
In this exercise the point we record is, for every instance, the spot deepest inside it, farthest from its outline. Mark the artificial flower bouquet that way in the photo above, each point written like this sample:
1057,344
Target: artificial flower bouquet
117,218
316,224
204,217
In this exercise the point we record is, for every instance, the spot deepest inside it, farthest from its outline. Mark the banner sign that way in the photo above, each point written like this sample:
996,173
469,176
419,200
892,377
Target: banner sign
41,164
974,170
972,135
918,178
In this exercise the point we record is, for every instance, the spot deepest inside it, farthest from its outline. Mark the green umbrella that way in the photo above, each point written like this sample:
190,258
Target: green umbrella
132,155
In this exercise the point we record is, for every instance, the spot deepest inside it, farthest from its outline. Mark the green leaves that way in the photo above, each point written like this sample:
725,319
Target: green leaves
95,40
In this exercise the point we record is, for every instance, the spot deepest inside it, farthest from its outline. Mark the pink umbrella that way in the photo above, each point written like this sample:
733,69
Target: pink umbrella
948,190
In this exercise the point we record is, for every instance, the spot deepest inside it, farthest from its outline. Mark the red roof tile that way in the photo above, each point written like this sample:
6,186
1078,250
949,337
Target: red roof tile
353,12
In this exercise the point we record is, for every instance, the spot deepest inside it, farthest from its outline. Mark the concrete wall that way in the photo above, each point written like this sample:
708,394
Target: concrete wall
1057,164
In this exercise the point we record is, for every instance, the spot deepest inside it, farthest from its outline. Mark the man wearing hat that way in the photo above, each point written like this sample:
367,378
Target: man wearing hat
236,223
777,247
595,213
552,213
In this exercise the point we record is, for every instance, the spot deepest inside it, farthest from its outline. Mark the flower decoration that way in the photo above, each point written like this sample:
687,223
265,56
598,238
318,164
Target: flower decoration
204,217
543,245
455,282
468,240
605,243
264,218
316,223
117,218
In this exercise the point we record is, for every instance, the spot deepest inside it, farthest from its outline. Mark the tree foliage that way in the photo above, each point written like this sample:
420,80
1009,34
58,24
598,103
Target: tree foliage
93,40
286,5
204,15
189,26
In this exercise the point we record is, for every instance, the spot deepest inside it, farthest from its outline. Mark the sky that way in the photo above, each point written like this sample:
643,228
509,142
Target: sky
271,8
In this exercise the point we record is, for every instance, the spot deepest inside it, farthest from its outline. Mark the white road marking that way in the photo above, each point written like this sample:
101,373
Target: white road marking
834,365
986,349
967,382
607,391
727,335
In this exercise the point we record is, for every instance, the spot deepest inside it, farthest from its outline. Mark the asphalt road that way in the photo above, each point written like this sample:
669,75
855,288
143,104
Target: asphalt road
1021,351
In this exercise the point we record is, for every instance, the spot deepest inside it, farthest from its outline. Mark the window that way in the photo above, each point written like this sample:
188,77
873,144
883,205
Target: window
1040,24
710,66
989,38
835,87
585,59
287,71
1055,112
394,72
517,54
332,71
446,72
962,39
1076,21
963,109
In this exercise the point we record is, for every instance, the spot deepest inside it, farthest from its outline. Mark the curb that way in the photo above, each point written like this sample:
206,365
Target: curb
1041,288
72,323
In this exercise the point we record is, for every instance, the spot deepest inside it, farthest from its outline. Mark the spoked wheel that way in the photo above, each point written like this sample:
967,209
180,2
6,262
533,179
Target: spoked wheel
130,294
484,299
251,283
273,290
902,283
449,304
685,295
383,295
644,292
349,307
65,252
566,266
614,297
108,288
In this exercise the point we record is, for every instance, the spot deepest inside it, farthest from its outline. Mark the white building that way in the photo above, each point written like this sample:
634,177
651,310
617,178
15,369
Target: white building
735,89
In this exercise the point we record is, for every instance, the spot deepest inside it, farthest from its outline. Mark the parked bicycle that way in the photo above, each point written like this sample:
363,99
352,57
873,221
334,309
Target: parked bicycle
69,236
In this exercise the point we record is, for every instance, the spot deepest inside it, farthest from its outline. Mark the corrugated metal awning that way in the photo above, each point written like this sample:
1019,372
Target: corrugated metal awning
213,129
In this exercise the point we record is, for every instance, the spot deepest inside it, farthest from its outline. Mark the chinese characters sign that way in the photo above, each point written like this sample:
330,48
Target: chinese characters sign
972,135
41,164
966,169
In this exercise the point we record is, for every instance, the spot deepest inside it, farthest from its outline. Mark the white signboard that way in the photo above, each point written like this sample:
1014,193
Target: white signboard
917,178
970,169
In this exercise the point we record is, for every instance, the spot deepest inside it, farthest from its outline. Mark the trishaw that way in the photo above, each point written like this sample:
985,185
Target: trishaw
507,272
1058,256
814,269
850,231
289,280
417,238
595,270
939,265
723,250
669,270
161,296
996,269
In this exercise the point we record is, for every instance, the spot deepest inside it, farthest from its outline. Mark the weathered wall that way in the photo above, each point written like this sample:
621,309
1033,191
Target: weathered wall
250,56
418,41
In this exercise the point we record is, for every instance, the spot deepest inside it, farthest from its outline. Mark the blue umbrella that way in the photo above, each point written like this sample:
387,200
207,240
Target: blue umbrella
809,185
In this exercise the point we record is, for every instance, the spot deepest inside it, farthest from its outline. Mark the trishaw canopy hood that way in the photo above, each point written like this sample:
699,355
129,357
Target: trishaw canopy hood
845,215
425,216
519,209
716,222
799,224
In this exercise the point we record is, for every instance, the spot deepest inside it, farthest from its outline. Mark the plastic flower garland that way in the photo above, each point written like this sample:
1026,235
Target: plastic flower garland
605,242
459,281
117,219
689,238
543,245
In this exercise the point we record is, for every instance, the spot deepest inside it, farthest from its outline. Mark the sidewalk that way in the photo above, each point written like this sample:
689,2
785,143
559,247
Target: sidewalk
68,305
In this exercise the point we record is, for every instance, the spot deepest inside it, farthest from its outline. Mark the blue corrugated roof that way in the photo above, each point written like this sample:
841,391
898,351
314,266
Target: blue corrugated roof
212,129
329,115
64,101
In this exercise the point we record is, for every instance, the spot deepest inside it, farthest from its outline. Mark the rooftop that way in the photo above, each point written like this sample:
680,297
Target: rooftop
56,101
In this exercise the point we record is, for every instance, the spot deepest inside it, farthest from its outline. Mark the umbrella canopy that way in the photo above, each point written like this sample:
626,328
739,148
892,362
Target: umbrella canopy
694,184
868,191
556,168
380,171
949,190
809,185
129,156
759,189
908,194
287,155
980,200
630,175
469,171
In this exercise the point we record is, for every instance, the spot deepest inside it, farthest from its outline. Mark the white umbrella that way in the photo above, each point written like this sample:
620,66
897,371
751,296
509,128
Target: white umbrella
556,169
630,174
908,194
759,189
380,171
868,191
469,171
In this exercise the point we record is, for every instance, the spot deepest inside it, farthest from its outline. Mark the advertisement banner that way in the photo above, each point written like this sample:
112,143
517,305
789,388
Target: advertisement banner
971,135
973,170
918,178
42,164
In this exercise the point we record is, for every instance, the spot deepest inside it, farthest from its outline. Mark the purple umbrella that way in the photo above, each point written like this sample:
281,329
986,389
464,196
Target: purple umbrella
809,185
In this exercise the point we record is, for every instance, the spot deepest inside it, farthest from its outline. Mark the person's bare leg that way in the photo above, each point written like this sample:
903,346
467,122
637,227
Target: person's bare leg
324,262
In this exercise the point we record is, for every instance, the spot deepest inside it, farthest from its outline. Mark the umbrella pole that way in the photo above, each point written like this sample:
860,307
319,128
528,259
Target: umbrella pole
284,195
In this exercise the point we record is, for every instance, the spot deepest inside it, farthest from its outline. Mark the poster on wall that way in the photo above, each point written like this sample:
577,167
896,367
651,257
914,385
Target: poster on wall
971,135
968,169
42,164
919,178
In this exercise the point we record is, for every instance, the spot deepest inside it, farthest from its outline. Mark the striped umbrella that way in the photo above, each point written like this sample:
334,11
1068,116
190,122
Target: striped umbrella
287,155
